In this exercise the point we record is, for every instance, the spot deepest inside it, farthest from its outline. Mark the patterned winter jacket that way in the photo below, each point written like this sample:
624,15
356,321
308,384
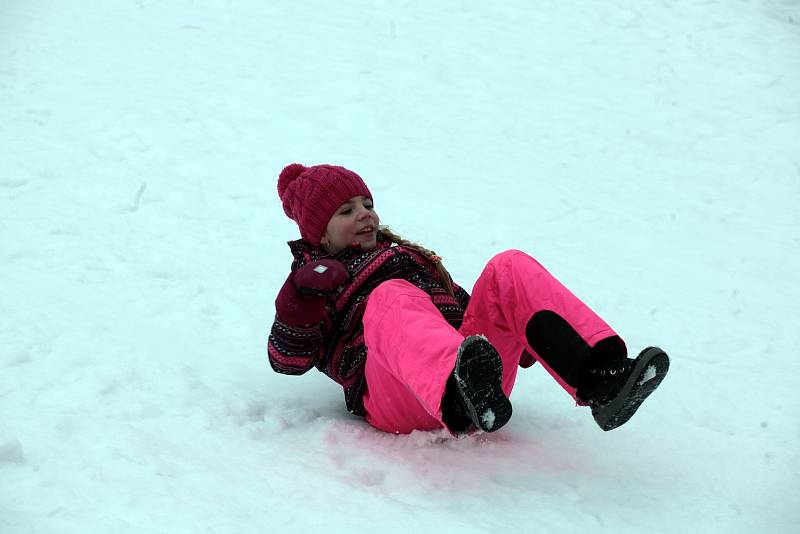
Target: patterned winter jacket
335,346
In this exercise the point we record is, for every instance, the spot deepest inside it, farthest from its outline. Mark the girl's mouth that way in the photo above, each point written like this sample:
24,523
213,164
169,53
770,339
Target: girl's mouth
367,230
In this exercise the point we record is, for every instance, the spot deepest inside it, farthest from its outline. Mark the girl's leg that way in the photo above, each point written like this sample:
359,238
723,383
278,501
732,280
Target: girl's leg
411,353
518,306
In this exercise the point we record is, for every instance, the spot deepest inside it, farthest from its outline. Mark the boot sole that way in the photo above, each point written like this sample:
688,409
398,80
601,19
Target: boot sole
479,377
649,370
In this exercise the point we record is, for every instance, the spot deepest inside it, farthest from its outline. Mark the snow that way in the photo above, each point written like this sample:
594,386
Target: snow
488,418
648,374
647,153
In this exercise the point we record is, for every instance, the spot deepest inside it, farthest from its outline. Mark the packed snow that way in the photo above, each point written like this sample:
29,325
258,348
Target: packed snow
647,375
646,152
488,418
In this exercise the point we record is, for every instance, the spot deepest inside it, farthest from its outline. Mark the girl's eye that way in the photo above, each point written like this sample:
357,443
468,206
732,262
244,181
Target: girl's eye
348,211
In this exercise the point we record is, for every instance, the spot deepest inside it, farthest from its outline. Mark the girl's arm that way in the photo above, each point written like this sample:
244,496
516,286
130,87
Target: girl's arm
296,341
462,297
293,350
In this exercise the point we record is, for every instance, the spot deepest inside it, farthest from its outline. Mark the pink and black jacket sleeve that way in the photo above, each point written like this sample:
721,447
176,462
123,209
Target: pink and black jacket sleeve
293,350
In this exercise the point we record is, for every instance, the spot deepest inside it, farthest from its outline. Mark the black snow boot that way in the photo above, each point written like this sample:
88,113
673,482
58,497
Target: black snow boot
614,388
474,394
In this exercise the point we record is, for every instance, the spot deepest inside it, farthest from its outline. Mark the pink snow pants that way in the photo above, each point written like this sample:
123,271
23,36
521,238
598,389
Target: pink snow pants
412,349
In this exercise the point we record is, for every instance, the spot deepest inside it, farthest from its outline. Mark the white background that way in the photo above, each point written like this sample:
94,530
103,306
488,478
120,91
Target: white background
646,152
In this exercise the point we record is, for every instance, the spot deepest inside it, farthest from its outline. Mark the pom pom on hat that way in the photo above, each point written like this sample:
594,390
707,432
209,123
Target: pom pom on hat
311,195
289,174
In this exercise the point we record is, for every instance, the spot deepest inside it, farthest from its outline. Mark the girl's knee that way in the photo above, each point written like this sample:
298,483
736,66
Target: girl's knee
508,254
394,286
511,256
513,262
390,290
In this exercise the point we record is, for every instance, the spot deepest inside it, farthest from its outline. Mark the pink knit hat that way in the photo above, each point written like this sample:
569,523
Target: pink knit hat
311,195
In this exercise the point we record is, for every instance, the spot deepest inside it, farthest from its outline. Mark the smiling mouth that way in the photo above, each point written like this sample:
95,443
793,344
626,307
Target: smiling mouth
367,230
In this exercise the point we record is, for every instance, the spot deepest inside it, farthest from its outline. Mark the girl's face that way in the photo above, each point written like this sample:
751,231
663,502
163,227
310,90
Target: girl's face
355,221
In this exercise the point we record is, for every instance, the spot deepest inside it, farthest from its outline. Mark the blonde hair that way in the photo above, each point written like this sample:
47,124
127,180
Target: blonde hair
447,281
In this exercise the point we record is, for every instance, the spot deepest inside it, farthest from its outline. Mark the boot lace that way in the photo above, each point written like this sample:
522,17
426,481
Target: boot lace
603,381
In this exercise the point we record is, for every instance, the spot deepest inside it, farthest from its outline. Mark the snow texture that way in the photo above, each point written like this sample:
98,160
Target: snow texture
646,152
648,374
488,418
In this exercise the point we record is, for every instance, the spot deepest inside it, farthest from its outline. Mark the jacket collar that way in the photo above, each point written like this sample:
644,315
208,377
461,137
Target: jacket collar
304,252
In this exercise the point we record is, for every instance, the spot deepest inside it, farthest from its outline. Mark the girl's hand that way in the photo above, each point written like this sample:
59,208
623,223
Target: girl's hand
320,278
301,300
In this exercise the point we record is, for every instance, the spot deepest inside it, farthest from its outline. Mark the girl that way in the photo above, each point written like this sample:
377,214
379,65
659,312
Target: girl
412,350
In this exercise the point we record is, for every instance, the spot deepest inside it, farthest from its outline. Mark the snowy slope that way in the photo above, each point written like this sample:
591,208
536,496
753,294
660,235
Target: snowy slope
648,153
